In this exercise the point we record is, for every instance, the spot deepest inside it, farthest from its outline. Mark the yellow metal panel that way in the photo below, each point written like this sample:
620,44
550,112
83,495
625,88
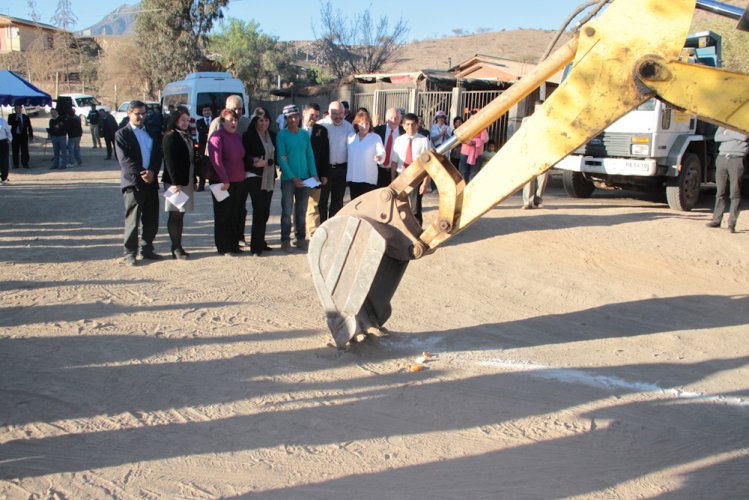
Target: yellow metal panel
716,95
601,88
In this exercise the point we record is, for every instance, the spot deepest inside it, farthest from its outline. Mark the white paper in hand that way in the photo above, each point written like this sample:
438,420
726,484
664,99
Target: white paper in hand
311,182
176,199
218,193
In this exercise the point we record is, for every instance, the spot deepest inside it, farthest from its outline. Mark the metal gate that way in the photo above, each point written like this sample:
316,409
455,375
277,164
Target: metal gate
386,99
477,99
363,100
428,103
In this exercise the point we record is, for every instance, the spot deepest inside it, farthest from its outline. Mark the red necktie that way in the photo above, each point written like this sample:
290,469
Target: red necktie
388,147
409,154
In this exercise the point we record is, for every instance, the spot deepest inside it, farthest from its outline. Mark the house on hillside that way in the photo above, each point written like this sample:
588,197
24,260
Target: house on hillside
16,34
460,90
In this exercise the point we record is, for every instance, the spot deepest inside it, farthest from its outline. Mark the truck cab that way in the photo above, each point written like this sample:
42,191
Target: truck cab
651,148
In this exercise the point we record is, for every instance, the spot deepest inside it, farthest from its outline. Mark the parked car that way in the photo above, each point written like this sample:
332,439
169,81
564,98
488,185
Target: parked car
121,112
81,103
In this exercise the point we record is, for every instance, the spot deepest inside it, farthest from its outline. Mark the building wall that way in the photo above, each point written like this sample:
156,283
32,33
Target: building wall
19,37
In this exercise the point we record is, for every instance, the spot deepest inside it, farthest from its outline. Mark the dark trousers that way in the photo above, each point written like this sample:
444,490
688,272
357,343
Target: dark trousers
243,209
357,189
337,187
20,145
109,140
323,203
175,225
4,159
384,177
226,219
202,164
728,174
260,213
141,207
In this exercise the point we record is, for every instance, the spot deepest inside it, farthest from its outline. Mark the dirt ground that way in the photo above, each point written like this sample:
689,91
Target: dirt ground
595,349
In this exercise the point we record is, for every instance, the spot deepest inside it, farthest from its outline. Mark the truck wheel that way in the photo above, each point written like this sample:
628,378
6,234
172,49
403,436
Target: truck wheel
683,192
576,185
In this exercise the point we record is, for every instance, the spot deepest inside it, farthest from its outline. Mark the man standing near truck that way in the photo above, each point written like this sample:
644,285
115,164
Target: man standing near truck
729,169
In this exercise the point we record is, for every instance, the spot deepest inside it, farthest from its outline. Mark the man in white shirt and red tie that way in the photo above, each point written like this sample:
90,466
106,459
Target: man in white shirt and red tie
388,132
406,149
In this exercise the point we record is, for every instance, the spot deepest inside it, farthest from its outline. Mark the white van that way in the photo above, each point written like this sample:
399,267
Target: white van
202,89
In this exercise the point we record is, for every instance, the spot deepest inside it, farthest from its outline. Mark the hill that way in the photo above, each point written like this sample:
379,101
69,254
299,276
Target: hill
120,21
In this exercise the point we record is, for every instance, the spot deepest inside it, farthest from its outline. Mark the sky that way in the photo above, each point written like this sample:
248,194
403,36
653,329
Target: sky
293,19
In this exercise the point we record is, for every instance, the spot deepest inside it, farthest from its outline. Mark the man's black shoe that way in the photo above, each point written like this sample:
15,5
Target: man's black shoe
151,256
713,224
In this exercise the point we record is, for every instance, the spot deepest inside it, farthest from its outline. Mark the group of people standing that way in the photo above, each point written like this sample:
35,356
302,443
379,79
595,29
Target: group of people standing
65,133
241,157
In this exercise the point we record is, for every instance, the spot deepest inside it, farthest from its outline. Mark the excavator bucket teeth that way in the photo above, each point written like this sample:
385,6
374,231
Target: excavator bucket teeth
354,277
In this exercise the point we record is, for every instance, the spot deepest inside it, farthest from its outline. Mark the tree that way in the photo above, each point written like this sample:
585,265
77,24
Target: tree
171,35
64,17
33,14
358,45
252,56
119,73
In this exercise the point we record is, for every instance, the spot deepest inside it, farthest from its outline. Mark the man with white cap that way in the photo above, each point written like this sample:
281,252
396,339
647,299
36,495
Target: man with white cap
297,162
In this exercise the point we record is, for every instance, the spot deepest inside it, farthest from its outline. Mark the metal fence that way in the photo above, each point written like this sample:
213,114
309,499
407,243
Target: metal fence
477,99
387,99
428,103
455,103
363,100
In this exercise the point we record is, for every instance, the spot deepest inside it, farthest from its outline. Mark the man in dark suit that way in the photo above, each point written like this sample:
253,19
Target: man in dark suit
20,127
388,132
317,207
201,159
139,156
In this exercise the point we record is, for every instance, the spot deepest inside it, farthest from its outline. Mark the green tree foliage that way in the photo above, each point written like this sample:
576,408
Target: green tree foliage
252,56
171,35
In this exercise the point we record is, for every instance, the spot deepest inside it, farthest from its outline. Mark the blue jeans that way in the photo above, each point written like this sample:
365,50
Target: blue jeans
74,150
466,169
60,148
293,198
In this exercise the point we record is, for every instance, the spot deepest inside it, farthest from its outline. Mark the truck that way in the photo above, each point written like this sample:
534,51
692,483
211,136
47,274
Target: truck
653,148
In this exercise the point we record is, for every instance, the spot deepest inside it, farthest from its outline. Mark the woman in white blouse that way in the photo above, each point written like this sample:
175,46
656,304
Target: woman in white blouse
365,151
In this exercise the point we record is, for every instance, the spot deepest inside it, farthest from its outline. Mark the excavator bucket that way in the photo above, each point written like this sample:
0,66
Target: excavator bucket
353,275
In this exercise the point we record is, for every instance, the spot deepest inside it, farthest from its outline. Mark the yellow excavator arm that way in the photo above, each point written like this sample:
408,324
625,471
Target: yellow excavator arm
358,257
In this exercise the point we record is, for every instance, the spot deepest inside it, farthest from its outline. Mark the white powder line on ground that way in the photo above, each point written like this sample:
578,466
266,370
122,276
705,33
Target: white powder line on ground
569,375
574,376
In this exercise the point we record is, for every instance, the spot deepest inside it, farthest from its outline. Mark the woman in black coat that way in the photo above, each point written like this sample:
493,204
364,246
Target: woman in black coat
179,175
260,165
